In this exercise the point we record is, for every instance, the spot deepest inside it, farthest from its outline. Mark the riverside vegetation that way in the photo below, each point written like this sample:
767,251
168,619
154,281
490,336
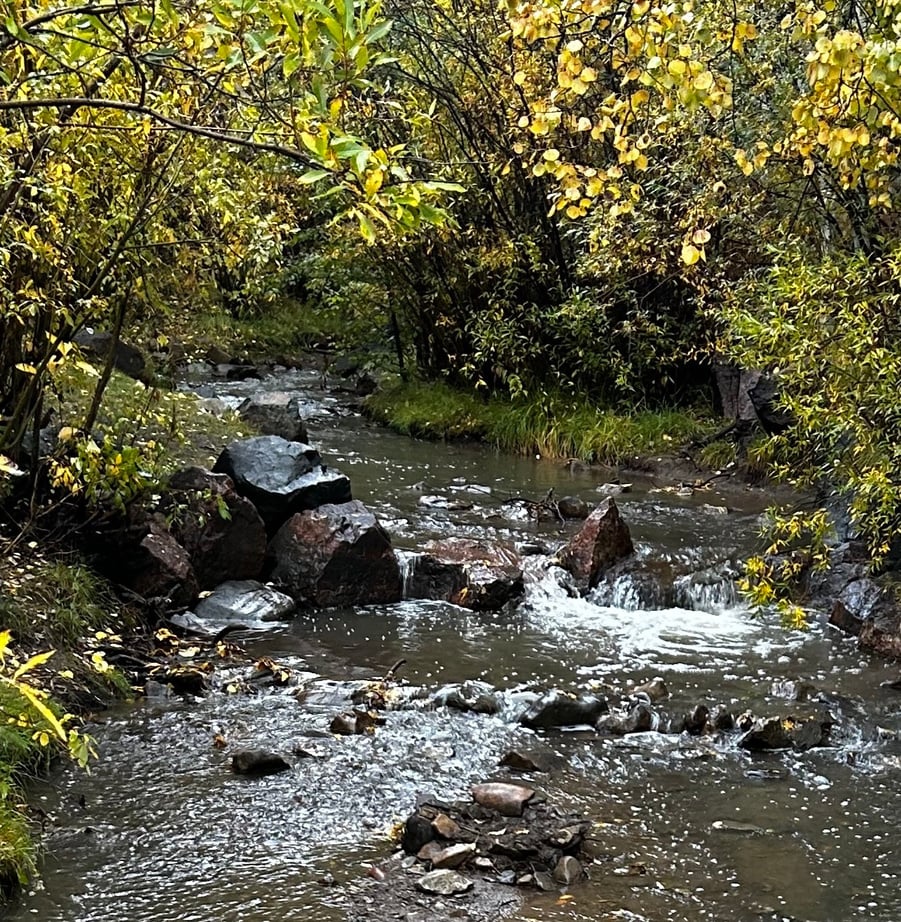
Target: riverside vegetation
537,215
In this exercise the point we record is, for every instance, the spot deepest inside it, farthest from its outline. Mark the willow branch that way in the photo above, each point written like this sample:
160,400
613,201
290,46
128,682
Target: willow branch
72,103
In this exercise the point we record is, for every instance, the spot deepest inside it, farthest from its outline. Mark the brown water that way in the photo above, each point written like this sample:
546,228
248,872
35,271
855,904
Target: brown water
167,832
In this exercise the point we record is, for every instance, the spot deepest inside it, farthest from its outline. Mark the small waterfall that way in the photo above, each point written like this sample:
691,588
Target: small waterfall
711,590
656,587
406,561
641,590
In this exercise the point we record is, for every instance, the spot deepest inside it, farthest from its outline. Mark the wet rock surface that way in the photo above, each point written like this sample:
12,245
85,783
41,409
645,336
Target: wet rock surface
245,601
337,554
222,531
275,413
477,697
602,541
561,709
480,575
281,478
785,733
258,762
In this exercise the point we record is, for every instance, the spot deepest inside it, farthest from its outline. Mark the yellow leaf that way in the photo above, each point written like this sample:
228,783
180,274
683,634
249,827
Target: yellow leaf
44,711
37,660
28,369
690,254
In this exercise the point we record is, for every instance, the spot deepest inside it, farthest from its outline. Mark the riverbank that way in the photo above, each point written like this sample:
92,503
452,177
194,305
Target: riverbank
550,425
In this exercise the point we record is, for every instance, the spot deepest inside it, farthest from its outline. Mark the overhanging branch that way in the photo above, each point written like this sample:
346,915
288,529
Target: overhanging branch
73,103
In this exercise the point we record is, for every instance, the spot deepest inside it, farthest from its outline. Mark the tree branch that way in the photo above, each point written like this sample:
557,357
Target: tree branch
72,103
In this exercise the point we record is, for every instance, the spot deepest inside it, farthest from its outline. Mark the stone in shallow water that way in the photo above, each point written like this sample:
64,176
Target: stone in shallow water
528,760
478,697
258,762
444,883
602,541
559,709
238,600
568,870
336,555
656,689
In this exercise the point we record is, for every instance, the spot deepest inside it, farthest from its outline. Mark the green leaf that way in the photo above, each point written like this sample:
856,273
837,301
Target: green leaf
367,228
312,176
379,30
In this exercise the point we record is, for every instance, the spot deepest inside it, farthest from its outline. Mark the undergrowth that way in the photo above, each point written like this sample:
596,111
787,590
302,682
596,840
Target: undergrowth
172,425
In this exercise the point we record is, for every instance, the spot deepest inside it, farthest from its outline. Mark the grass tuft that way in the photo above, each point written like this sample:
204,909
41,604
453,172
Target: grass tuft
552,425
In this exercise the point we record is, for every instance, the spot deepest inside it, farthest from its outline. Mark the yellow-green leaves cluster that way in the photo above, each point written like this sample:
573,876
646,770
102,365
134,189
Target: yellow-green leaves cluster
37,716
627,78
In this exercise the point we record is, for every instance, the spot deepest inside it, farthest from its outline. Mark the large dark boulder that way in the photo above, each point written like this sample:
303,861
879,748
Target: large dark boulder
281,478
602,541
222,531
275,413
476,574
337,554
150,562
126,358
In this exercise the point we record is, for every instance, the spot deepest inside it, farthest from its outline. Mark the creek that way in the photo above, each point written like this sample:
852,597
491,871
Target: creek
693,828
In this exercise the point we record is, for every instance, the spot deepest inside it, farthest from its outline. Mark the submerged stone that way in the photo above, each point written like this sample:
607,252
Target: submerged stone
444,883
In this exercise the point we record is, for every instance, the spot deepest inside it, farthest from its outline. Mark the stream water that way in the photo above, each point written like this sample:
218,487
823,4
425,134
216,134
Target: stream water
692,828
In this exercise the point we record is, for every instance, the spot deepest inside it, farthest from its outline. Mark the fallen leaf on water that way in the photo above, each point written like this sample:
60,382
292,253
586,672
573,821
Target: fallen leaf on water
566,898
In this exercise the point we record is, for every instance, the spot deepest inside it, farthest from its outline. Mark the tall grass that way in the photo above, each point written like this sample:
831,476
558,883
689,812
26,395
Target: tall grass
552,425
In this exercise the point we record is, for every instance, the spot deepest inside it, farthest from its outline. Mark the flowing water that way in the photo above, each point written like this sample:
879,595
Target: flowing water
690,828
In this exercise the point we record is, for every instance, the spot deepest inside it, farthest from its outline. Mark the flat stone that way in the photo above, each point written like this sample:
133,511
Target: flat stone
506,799
444,883
429,851
454,855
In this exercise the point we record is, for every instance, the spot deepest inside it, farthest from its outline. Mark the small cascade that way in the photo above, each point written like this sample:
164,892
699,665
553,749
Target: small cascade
406,561
712,590
640,590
